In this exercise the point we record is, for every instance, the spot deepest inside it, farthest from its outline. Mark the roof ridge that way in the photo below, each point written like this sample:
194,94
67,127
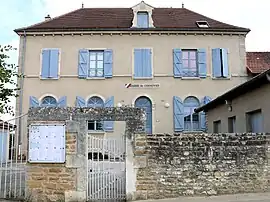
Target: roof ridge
43,22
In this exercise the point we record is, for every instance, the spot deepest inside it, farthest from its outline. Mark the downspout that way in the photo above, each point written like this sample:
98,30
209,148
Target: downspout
21,86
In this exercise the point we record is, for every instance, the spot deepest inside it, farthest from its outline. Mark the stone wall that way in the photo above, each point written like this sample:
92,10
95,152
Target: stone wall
201,164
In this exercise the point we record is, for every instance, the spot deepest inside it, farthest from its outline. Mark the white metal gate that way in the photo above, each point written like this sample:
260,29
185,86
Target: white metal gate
106,168
12,158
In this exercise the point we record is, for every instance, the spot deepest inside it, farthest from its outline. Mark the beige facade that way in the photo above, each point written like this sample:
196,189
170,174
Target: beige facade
252,101
123,45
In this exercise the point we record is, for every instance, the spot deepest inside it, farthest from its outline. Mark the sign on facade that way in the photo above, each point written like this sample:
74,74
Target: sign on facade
148,85
47,143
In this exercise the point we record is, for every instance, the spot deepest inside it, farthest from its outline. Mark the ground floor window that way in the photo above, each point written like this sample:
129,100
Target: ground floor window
95,125
217,126
254,121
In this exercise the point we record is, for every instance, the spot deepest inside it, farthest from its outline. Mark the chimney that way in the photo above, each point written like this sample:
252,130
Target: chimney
48,17
183,5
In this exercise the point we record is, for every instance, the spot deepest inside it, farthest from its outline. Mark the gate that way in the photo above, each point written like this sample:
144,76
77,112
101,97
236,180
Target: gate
106,166
12,158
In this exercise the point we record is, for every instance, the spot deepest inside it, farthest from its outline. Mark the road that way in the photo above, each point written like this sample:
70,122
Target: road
261,197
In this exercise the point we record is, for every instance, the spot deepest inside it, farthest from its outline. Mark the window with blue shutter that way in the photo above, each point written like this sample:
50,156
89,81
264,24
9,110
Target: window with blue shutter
95,63
177,62
33,102
50,64
191,119
142,20
62,102
142,63
189,63
80,102
204,101
109,125
220,67
48,101
178,114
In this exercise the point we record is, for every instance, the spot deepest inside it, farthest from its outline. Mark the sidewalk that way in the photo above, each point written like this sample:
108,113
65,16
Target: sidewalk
260,197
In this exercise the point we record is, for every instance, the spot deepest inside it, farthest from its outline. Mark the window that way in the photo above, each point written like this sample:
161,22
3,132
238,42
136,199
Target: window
254,121
191,119
231,124
50,63
202,24
142,20
143,63
48,101
220,63
95,102
190,67
96,67
217,126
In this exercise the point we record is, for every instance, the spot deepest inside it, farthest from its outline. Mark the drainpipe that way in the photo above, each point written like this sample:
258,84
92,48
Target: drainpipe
21,86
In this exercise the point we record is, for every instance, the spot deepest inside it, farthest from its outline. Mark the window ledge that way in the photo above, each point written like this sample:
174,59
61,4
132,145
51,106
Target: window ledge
221,78
143,78
187,132
96,132
190,78
95,78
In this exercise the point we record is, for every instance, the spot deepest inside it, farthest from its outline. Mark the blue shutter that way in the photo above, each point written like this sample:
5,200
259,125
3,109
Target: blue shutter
45,69
138,63
33,102
177,62
62,102
204,101
225,62
109,125
178,114
147,63
80,102
202,62
108,63
83,63
216,62
54,63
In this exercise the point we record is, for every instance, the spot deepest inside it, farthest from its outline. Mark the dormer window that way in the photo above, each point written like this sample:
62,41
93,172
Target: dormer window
202,24
142,20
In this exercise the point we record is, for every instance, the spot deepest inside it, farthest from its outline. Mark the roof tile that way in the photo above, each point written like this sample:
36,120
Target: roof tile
117,18
258,62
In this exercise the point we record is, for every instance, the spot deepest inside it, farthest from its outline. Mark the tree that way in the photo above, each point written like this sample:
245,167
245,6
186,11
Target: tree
8,78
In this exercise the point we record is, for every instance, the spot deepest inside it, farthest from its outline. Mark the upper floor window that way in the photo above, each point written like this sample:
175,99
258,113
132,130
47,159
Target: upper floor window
48,101
96,67
191,119
220,63
143,63
190,67
142,19
189,63
95,63
50,64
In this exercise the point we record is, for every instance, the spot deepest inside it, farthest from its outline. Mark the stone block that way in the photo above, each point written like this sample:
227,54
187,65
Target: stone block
75,161
72,126
140,162
78,196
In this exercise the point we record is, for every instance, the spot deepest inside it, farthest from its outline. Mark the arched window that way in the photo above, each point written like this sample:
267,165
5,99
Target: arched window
48,101
145,102
191,119
95,102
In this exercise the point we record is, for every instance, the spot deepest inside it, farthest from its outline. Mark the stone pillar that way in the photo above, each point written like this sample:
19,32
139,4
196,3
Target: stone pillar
67,181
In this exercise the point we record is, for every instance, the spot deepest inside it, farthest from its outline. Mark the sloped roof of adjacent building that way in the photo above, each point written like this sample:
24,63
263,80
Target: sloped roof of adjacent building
250,85
258,62
121,19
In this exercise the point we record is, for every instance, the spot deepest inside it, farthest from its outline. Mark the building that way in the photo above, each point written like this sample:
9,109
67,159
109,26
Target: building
166,60
257,62
245,108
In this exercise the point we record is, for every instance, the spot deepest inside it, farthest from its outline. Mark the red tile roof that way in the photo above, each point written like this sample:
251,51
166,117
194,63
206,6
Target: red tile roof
121,19
258,62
